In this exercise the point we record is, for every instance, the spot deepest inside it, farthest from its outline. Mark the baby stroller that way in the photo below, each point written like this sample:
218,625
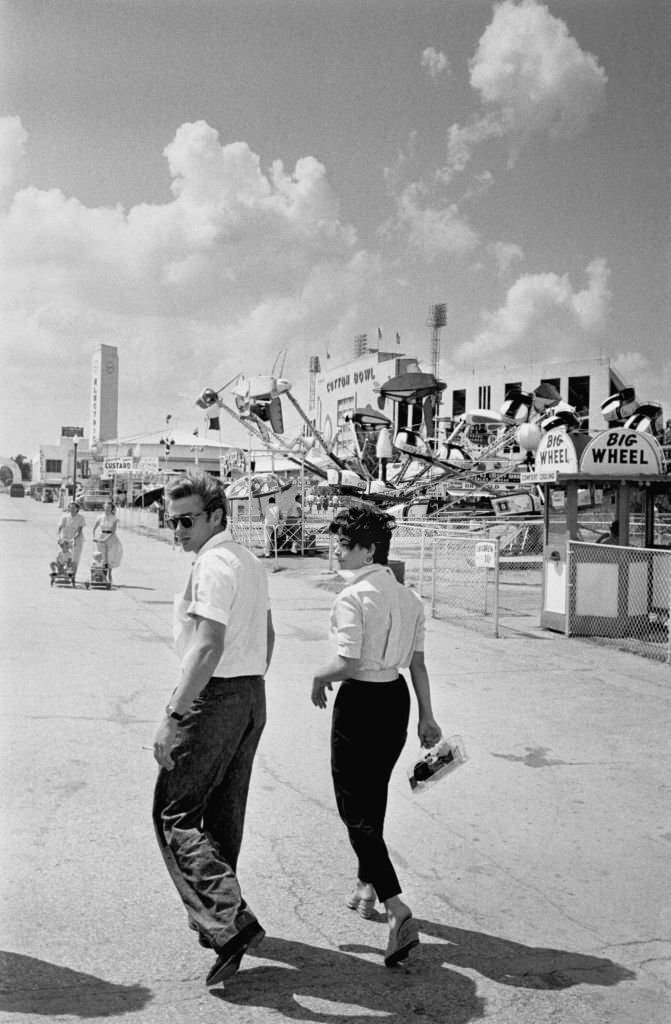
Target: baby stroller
100,575
62,569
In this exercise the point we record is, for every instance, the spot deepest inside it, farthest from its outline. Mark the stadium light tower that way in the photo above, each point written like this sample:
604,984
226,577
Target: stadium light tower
437,319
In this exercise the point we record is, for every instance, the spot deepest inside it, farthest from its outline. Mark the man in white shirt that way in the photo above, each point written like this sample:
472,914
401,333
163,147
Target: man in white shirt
271,521
207,738
294,517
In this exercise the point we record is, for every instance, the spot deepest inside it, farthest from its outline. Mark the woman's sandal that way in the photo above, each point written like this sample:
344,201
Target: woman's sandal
364,905
402,939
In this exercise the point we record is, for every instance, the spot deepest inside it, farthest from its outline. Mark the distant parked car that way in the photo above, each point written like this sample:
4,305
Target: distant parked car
17,491
93,501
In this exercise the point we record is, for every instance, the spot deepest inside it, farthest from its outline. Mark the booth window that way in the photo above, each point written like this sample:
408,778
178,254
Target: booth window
458,402
53,466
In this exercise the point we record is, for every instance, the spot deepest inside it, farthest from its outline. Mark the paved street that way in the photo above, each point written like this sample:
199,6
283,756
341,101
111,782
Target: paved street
538,872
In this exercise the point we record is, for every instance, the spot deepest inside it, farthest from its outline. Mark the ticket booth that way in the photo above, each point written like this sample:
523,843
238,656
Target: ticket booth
617,477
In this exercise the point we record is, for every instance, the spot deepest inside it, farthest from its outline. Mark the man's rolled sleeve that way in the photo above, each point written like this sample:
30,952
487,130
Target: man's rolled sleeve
213,592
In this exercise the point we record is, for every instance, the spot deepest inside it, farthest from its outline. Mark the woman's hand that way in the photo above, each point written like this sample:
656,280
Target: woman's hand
428,730
319,688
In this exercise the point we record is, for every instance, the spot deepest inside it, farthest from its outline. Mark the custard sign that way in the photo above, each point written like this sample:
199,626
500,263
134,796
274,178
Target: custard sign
622,453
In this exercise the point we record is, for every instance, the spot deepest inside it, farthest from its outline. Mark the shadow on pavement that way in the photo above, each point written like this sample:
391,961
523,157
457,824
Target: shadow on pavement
35,986
307,981
510,963
324,985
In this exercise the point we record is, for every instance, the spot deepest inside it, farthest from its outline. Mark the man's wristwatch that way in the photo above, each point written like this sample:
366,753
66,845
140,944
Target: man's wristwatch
171,713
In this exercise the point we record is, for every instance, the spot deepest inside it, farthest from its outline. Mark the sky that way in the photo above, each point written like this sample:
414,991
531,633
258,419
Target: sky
208,183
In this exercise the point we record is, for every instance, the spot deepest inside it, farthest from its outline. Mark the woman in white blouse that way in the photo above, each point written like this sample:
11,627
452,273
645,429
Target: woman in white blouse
378,626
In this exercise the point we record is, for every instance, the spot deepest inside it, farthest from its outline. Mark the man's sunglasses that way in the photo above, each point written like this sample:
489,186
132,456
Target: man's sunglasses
172,522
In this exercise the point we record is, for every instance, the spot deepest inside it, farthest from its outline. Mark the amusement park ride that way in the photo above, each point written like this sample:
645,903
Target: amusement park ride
483,448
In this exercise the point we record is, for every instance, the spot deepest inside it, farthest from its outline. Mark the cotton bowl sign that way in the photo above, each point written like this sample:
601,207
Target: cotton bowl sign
622,453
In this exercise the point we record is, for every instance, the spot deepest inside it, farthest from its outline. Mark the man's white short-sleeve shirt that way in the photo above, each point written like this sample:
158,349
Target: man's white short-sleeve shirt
229,585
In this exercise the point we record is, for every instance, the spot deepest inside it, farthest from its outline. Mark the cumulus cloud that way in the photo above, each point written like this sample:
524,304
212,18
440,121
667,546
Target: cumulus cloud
430,230
241,262
543,312
532,77
535,73
505,255
435,62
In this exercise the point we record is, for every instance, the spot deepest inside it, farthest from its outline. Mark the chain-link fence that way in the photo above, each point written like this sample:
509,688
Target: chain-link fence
441,562
620,595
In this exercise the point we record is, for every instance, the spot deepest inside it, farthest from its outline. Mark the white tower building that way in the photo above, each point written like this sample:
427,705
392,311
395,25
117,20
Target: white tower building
104,394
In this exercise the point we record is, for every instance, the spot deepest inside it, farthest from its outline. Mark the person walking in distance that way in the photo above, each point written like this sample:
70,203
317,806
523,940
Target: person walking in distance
378,626
206,739
71,528
271,522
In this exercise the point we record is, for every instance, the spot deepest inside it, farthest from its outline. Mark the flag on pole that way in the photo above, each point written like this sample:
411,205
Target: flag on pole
398,338
168,418
379,334
196,432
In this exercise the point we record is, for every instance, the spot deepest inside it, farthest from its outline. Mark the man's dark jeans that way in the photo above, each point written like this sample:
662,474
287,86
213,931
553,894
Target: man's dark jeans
199,806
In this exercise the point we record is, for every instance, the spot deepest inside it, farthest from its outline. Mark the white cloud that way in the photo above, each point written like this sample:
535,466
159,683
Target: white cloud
542,312
505,254
534,73
435,61
532,77
431,231
461,140
239,264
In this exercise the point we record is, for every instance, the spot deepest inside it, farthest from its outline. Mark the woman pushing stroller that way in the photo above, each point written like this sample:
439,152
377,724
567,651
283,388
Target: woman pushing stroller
71,529
105,537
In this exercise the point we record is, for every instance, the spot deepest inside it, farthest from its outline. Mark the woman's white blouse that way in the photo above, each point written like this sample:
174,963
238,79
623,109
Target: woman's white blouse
377,621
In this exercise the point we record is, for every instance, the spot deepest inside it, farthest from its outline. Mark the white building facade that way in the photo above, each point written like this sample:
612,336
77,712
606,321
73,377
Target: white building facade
344,387
583,383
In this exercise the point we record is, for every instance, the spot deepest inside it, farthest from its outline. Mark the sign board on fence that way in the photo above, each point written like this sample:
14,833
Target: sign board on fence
485,554
147,465
117,465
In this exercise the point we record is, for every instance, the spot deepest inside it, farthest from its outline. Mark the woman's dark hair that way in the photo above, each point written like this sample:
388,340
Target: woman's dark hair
210,491
366,527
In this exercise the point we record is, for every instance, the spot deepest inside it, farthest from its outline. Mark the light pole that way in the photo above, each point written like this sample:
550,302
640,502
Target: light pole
74,470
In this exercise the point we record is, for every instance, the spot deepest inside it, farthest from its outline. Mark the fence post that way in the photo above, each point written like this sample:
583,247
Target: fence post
421,562
433,578
496,587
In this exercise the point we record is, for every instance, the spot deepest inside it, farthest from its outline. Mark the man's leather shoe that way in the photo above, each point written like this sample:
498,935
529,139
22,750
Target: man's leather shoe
229,957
